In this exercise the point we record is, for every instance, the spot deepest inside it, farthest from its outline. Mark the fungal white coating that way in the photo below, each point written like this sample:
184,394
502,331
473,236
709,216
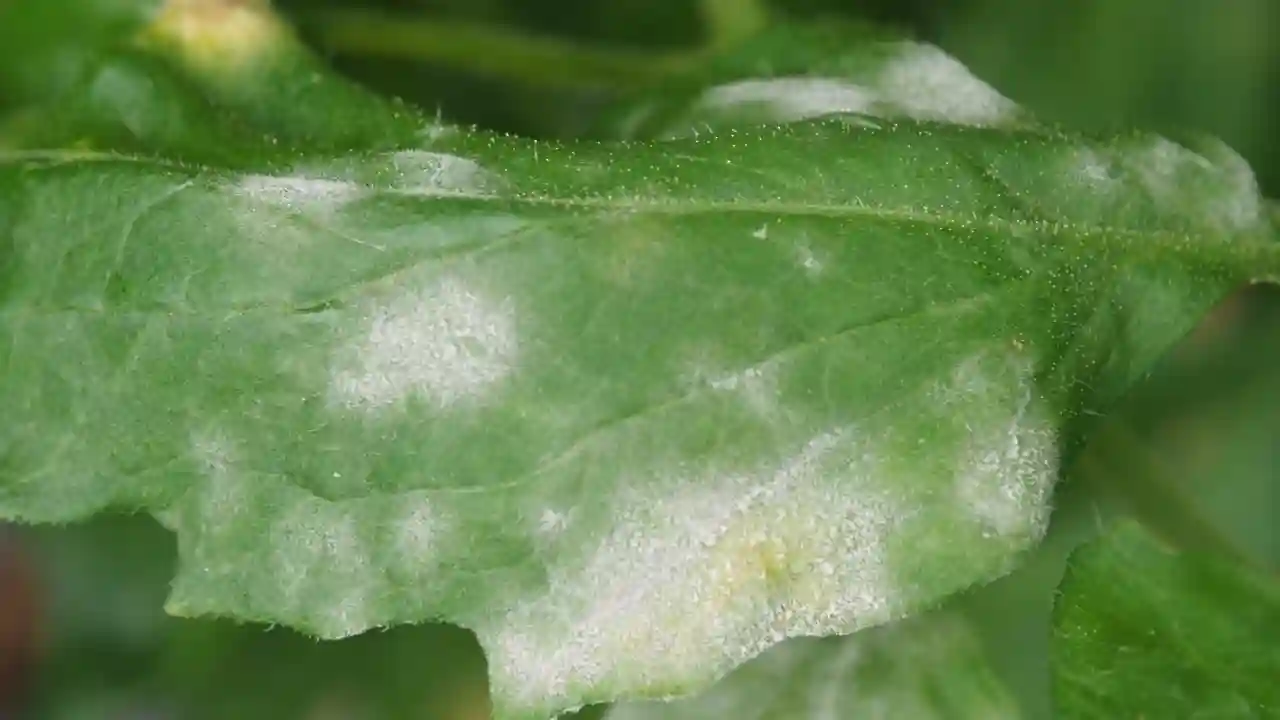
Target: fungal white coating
1007,468
918,81
1221,192
756,386
1162,161
421,172
224,494
322,568
761,233
1239,202
689,582
310,563
297,193
444,343
738,380
419,528
213,451
808,260
1213,189
1092,168
417,531
326,187
552,522
792,98
925,83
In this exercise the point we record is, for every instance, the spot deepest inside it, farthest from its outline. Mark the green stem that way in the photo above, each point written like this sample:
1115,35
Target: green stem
494,51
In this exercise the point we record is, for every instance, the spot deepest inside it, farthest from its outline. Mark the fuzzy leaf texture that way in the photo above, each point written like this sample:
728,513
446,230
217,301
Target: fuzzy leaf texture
632,412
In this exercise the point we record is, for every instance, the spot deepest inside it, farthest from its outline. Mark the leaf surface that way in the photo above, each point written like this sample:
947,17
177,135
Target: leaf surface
632,412
928,666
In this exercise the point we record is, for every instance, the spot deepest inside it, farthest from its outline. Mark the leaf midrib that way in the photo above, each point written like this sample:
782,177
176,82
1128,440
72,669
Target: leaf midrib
667,206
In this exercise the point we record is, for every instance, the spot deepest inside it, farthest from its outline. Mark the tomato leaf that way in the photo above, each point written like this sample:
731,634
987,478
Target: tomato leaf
632,412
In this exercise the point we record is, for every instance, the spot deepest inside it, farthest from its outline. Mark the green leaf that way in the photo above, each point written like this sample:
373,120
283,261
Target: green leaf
632,412
133,102
1142,631
983,654
928,666
104,586
49,45
245,58
1210,67
801,72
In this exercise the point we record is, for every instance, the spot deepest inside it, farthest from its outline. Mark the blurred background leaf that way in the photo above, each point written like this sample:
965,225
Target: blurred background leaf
47,46
1144,631
1199,67
105,582
1210,67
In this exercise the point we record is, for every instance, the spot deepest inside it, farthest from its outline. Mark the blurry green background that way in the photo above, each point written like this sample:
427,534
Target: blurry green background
1211,417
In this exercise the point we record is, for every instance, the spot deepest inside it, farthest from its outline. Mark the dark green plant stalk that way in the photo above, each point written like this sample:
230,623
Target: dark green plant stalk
492,51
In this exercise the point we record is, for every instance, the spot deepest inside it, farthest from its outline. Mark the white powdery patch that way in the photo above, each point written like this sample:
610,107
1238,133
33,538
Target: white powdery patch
1163,166
791,99
323,568
444,343
750,377
808,260
224,495
1221,192
920,82
261,206
1008,467
214,452
324,188
755,386
689,584
552,522
925,83
417,531
420,172
298,193
1239,204
1090,167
